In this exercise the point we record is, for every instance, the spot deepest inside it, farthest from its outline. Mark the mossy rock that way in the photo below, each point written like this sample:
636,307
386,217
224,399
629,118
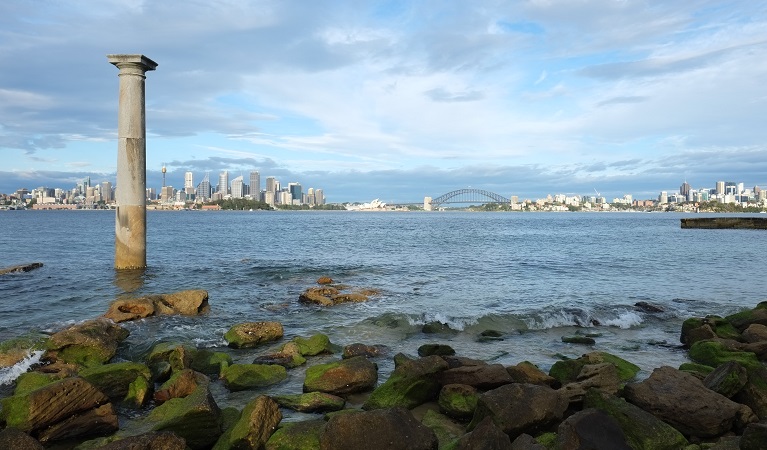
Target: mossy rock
698,370
458,400
239,377
566,371
713,353
303,435
626,370
743,319
412,383
343,377
29,381
138,392
577,339
548,440
209,362
311,402
642,429
446,430
114,379
253,334
253,428
315,345
14,350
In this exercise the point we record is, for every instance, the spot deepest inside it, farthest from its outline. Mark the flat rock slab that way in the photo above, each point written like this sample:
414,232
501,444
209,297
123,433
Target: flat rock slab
21,268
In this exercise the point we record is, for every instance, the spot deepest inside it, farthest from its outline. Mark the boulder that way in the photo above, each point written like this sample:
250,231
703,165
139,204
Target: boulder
727,379
16,350
714,352
13,438
239,377
700,328
114,379
30,381
127,309
754,393
352,297
413,382
352,350
527,442
191,302
195,417
251,334
315,345
324,280
20,268
446,430
578,339
484,377
384,429
648,307
318,296
603,377
568,370
288,357
139,392
486,435
208,361
437,328
699,371
643,430
435,349
347,376
754,437
682,401
311,402
90,343
462,361
458,401
591,428
527,372
755,332
304,435
257,423
743,319
152,440
520,408
180,385
70,408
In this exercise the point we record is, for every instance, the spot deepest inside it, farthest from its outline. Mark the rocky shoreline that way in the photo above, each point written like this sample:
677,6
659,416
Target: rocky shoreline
77,397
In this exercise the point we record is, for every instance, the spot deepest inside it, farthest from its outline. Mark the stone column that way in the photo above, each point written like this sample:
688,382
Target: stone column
130,222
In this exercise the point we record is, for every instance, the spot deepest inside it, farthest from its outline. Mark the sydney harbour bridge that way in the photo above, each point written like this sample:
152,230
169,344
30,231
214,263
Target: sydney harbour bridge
464,196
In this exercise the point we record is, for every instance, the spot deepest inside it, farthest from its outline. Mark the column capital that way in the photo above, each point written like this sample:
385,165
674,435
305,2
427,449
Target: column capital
140,62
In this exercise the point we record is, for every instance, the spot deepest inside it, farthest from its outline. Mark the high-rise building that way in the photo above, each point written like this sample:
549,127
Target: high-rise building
166,194
255,184
106,191
271,184
203,189
223,183
663,199
684,189
237,187
310,199
319,196
188,180
295,191
720,188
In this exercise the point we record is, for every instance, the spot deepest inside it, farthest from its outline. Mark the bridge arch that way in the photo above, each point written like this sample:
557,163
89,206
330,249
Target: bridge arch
468,196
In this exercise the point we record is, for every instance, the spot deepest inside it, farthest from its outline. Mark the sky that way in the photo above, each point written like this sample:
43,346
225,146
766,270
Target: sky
395,100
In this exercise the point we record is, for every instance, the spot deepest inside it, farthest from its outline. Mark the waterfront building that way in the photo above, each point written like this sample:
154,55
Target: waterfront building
269,198
310,200
271,185
166,194
684,190
237,188
255,184
319,196
106,191
223,183
295,191
188,180
720,188
663,199
203,189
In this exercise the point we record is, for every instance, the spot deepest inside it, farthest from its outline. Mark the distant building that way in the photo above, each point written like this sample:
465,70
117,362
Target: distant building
188,180
684,189
106,191
166,194
295,191
255,184
237,188
271,184
203,189
319,197
223,183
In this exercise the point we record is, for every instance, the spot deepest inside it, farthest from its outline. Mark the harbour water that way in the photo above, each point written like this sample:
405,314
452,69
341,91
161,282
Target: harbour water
535,277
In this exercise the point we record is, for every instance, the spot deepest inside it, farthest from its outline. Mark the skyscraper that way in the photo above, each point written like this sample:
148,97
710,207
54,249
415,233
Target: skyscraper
237,187
271,184
255,185
106,191
223,182
203,189
684,189
319,197
188,180
295,191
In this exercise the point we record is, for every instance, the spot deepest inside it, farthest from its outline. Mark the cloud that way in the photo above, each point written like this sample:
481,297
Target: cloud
442,95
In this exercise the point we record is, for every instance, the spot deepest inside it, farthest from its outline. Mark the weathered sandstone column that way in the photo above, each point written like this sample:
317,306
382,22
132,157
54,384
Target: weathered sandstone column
130,223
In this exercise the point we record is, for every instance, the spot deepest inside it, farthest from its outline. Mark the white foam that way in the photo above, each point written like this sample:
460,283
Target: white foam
455,323
9,374
625,320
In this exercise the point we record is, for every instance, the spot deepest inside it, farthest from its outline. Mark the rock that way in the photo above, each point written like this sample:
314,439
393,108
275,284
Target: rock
347,376
591,428
65,409
436,328
462,361
318,296
754,392
743,319
251,334
30,381
315,345
603,377
384,429
324,280
288,357
458,401
520,408
754,437
682,401
20,268
446,430
138,392
114,379
527,372
715,352
648,307
304,435
90,343
727,379
124,310
239,377
353,297
755,332
700,328
699,371
412,383
643,430
15,350
194,417
15,439
435,349
352,350
485,377
257,423
486,435
180,385
578,340
527,442
567,371
208,362
311,402
152,440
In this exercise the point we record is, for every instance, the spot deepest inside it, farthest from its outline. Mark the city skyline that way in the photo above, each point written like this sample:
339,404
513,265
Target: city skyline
395,100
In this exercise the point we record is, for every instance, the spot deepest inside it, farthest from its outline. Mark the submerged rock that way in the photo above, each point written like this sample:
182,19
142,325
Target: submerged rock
239,377
90,343
20,268
190,302
357,349
435,349
251,334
